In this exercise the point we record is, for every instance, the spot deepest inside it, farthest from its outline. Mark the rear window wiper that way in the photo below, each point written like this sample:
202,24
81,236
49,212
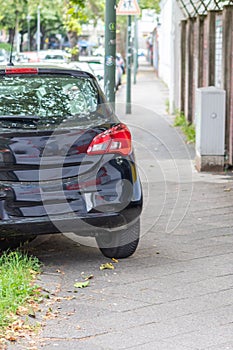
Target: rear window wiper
19,117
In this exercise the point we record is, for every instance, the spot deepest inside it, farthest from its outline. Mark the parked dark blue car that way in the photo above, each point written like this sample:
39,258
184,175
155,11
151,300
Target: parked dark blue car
66,161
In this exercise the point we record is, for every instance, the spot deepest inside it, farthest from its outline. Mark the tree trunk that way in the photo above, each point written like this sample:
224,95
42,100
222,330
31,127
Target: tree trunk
21,42
73,39
11,35
42,38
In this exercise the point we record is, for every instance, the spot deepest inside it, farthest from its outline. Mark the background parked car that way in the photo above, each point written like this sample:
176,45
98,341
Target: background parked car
54,56
98,69
3,56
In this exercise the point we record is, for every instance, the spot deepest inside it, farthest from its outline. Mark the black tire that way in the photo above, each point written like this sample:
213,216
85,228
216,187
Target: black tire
120,244
14,242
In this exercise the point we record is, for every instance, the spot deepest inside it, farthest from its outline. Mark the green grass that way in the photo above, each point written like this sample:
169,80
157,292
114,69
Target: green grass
187,128
17,273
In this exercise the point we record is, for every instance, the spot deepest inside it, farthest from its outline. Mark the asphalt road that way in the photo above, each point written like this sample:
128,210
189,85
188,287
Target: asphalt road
176,291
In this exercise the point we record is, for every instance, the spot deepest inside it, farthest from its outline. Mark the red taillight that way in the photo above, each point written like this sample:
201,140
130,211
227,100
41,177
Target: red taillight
15,70
115,140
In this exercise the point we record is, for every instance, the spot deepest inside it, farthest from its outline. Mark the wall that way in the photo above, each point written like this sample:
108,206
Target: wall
208,61
169,49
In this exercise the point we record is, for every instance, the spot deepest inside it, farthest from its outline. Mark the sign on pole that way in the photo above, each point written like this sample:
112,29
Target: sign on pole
128,7
110,50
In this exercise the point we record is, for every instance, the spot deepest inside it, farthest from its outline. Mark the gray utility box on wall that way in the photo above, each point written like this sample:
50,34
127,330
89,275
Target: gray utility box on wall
210,128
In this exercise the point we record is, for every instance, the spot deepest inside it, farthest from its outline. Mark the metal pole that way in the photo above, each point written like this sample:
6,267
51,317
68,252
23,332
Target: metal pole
38,30
28,19
128,83
17,33
135,49
110,50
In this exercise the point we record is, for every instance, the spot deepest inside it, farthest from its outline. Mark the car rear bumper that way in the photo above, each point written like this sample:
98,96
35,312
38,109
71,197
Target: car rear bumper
84,225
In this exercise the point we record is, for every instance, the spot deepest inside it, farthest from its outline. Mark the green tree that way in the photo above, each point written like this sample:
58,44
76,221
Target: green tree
79,12
14,14
55,15
150,4
11,14
74,15
95,10
51,18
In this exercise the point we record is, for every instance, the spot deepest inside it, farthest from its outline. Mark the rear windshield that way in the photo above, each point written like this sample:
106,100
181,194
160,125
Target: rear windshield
47,96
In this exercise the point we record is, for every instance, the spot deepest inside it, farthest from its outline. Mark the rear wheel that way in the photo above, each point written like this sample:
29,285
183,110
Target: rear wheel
120,244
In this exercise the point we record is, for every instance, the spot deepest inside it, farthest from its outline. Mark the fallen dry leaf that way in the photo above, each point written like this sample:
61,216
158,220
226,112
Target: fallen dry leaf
59,299
87,277
22,310
16,325
11,337
82,284
108,266
2,344
70,313
50,314
227,189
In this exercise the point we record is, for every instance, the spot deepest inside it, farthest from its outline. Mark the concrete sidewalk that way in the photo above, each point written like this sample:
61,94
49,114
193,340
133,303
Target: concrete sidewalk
176,292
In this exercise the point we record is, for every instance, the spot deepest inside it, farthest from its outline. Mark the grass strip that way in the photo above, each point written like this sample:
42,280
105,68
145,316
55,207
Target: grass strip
187,128
17,274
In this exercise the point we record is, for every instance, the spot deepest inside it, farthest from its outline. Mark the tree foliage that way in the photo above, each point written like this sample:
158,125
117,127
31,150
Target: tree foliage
95,10
63,16
74,15
16,13
77,13
150,4
82,11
